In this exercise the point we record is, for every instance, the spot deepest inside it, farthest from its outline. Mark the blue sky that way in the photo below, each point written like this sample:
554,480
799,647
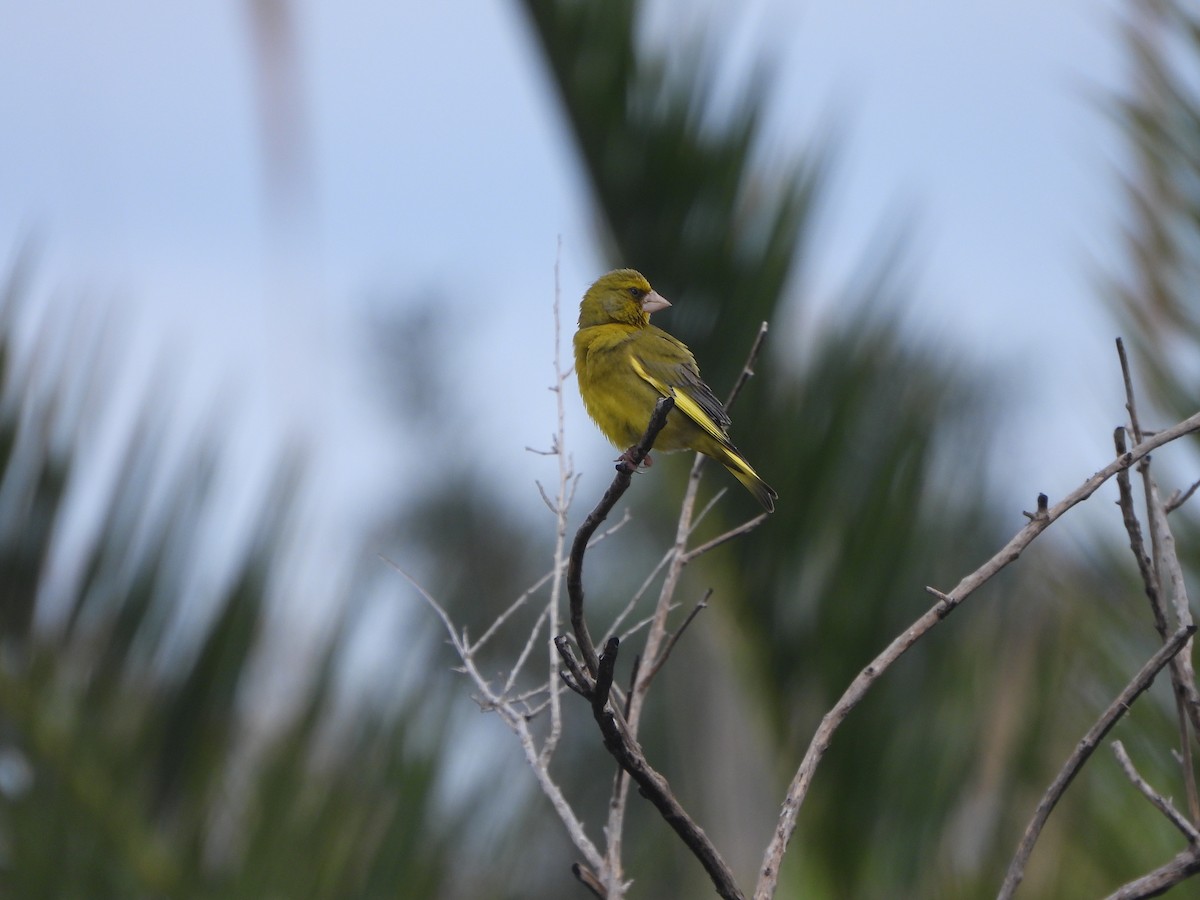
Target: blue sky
441,174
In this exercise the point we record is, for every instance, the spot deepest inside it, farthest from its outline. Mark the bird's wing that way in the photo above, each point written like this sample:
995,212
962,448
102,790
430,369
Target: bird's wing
670,368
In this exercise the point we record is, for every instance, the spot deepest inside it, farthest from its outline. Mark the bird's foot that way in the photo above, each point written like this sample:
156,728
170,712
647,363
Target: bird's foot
625,461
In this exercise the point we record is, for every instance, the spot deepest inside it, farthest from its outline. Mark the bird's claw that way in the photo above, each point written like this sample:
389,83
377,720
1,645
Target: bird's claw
625,461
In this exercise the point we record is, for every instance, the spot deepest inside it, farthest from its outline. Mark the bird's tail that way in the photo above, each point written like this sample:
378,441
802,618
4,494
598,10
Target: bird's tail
743,472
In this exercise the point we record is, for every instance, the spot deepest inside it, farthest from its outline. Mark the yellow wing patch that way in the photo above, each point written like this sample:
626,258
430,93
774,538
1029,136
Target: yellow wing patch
689,406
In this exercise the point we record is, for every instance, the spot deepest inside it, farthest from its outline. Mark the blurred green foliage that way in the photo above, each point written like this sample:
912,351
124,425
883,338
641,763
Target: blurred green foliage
124,775
130,771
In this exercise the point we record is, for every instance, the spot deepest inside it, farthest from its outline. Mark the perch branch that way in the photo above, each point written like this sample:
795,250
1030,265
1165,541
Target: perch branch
620,484
1084,749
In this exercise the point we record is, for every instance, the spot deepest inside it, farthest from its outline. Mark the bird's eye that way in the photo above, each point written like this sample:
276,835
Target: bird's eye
636,293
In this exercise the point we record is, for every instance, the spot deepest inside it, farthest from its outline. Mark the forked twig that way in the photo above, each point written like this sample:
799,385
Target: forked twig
1141,681
1161,803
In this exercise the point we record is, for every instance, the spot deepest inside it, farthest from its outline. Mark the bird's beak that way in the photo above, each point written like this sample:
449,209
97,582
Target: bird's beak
653,302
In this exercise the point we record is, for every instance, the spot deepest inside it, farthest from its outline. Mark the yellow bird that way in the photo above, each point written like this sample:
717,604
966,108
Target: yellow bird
625,364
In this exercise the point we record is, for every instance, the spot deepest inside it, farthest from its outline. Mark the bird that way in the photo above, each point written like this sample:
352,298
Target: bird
624,365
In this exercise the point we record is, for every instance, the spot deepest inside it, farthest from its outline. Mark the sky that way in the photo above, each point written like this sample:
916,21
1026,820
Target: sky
442,177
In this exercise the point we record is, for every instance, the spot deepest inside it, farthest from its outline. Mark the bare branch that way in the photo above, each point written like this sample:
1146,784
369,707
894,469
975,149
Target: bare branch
1084,749
588,879
518,724
638,626
1162,879
537,585
637,595
523,656
673,639
947,603
1164,805
1183,677
748,368
1130,404
566,492
1177,499
745,528
1136,542
654,787
620,484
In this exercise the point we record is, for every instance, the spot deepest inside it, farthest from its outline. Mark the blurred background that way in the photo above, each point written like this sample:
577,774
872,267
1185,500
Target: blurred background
277,299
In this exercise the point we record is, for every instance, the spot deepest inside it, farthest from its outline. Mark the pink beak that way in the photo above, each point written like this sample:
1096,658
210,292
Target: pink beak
653,302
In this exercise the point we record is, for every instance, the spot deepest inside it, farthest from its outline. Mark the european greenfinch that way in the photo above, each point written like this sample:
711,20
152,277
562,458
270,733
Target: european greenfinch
625,364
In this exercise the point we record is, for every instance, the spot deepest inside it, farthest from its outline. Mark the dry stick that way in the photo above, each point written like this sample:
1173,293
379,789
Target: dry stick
620,484
1130,405
738,531
517,604
1039,522
1152,587
566,493
1084,749
1161,803
673,639
1183,676
1178,498
1136,542
1161,879
518,723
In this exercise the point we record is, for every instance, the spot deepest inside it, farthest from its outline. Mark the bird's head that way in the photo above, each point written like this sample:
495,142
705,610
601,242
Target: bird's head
623,296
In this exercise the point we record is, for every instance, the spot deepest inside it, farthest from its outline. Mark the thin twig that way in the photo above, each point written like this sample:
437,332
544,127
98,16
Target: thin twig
638,626
1177,499
1084,749
518,725
1163,804
729,535
674,637
1039,522
637,596
1130,405
566,492
1137,543
526,651
748,368
536,586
